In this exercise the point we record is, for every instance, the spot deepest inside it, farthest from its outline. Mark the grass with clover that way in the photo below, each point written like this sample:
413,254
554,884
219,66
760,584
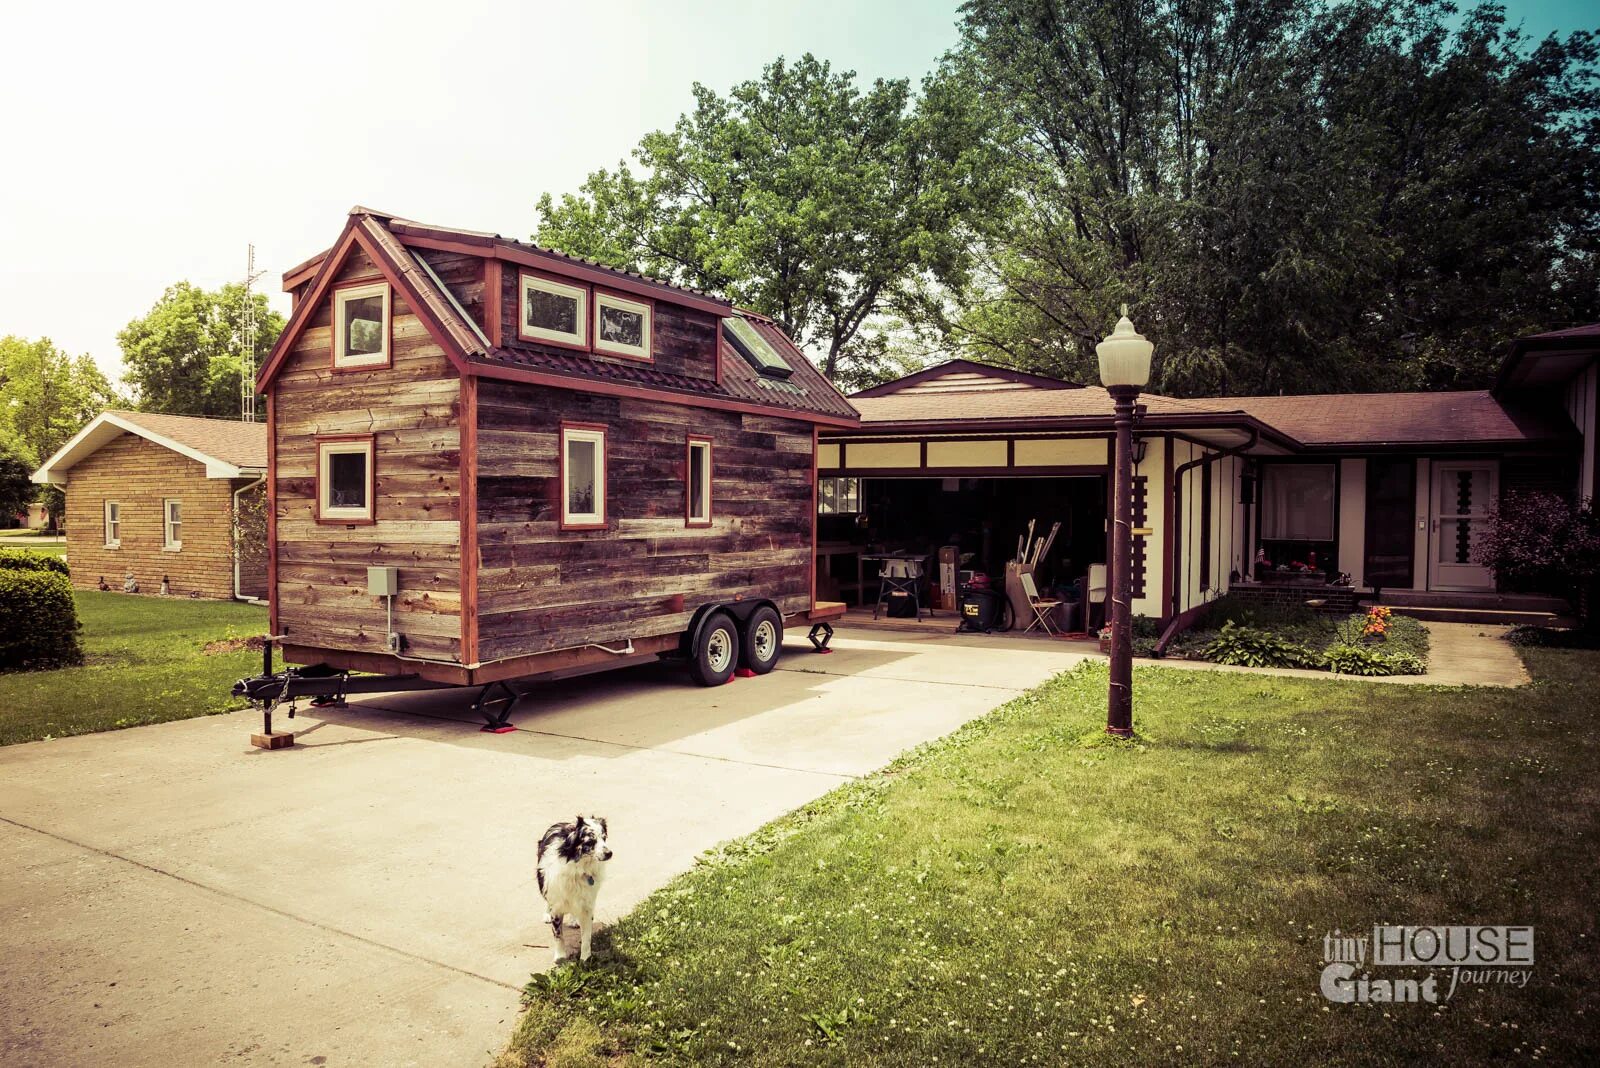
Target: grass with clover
1026,892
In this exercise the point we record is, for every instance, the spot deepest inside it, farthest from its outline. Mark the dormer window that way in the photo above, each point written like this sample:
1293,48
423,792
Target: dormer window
757,351
361,327
621,326
554,311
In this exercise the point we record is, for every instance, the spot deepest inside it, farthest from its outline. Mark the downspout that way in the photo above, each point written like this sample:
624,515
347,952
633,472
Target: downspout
237,578
1178,584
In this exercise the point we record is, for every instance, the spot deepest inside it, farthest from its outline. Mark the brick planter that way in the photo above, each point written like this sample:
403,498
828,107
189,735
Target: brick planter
1341,600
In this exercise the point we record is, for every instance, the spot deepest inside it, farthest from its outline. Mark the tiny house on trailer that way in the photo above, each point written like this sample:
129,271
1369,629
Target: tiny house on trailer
489,461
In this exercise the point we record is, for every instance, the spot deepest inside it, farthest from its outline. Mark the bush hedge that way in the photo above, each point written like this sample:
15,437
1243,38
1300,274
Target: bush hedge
38,620
25,560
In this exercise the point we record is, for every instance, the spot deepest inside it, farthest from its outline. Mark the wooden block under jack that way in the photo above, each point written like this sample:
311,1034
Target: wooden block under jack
275,740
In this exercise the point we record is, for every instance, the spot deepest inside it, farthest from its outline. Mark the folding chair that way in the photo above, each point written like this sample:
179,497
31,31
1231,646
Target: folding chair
1041,607
1094,594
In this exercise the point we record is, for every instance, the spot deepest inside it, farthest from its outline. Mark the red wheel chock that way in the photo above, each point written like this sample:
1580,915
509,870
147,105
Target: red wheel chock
504,728
744,673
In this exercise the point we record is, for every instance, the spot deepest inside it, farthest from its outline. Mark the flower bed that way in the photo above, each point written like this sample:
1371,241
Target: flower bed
1370,643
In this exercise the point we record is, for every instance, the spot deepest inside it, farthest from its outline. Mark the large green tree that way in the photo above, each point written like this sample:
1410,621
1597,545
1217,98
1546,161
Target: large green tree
184,356
46,396
1296,196
801,195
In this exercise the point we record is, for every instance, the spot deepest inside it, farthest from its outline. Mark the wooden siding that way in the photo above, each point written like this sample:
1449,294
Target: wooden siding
541,588
139,475
683,341
412,408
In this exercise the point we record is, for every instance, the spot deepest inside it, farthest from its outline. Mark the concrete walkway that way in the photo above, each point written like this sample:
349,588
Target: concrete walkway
172,896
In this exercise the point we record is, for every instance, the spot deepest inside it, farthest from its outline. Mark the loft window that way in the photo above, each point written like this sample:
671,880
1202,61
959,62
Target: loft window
1297,502
583,477
838,496
621,326
172,524
554,311
113,517
361,326
345,482
697,508
757,351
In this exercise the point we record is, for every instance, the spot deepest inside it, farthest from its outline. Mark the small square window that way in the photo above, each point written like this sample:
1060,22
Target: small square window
621,326
838,496
361,326
113,525
583,477
345,483
554,311
172,524
697,488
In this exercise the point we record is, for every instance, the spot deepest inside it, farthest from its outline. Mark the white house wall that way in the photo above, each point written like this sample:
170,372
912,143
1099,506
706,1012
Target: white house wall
1580,402
1352,531
1154,469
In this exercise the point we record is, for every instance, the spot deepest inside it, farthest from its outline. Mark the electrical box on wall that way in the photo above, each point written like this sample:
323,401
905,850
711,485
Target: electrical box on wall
383,581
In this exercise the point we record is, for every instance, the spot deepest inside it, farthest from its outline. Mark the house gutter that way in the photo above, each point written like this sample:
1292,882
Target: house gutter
237,578
1179,621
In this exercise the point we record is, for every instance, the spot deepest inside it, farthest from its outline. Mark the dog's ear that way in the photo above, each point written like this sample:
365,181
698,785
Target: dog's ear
578,823
605,830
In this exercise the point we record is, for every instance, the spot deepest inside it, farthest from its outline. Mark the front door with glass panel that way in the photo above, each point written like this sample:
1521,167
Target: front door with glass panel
1463,494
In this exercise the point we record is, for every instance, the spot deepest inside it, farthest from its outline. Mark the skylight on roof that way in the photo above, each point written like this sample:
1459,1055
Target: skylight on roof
756,350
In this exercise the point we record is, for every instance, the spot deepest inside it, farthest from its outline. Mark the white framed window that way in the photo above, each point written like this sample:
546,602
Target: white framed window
838,496
583,476
172,524
361,326
346,482
554,311
113,515
622,326
697,487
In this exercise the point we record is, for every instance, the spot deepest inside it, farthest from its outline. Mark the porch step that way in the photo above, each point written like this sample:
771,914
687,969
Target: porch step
1510,617
1513,602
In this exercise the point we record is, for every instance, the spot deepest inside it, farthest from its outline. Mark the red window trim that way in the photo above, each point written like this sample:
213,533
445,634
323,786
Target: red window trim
602,476
333,328
583,319
595,294
372,480
688,479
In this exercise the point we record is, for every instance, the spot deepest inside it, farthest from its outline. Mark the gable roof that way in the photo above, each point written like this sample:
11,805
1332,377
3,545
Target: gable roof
228,449
965,376
1549,358
392,243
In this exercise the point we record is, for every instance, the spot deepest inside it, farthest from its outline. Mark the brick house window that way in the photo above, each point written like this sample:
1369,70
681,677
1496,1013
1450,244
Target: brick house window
361,326
172,524
113,512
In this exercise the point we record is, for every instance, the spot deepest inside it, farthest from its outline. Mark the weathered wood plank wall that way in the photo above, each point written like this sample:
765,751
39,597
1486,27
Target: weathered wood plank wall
412,408
542,588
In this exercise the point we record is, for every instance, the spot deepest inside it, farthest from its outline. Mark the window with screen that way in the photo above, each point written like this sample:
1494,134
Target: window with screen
345,480
583,477
361,326
1297,502
172,524
554,311
113,525
698,486
838,496
757,351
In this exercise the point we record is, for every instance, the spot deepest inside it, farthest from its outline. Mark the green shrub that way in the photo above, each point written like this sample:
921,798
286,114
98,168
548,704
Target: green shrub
24,560
1249,647
38,621
1373,660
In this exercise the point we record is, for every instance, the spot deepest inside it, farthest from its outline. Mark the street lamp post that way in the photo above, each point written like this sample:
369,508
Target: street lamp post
1124,371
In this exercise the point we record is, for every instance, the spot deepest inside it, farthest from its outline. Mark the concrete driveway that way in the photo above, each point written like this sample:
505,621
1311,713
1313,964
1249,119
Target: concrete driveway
170,895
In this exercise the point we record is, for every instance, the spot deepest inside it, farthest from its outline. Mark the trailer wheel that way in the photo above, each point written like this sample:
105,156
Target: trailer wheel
718,654
763,640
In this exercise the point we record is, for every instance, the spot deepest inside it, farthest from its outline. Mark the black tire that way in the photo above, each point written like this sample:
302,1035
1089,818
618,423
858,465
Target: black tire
713,659
1008,618
762,642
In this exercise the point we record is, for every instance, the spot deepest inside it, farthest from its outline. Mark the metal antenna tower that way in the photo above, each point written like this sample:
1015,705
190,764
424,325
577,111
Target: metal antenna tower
247,328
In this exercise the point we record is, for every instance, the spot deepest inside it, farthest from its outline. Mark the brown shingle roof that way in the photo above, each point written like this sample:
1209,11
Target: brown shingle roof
228,440
1464,417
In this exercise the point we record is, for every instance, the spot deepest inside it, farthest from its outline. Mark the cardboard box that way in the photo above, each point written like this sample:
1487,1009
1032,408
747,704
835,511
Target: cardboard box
949,559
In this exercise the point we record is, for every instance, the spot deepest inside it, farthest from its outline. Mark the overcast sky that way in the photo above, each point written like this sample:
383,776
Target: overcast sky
149,143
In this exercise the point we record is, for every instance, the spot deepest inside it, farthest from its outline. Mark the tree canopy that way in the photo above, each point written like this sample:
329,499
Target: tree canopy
46,396
801,195
1294,196
184,356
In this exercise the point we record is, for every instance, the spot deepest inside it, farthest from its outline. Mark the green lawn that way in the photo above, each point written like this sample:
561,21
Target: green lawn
1025,892
144,664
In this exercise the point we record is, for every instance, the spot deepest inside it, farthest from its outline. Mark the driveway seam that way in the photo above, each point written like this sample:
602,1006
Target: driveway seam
86,847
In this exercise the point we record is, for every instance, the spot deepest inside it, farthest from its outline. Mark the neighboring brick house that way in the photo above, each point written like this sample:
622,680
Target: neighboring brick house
154,497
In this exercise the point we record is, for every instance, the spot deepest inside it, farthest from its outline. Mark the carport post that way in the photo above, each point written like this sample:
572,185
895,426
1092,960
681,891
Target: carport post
1124,370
